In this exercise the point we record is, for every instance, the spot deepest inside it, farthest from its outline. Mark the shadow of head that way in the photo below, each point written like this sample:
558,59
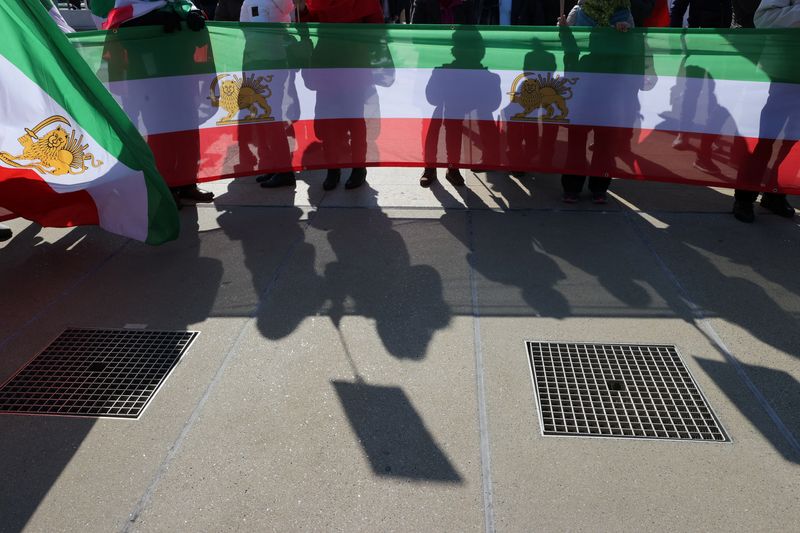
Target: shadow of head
468,46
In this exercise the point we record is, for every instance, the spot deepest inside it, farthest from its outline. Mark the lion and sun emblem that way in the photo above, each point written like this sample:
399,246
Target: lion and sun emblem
56,152
246,93
549,94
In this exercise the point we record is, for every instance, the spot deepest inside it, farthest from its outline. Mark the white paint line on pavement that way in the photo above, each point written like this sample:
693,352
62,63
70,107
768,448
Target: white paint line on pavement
74,244
653,221
480,385
704,325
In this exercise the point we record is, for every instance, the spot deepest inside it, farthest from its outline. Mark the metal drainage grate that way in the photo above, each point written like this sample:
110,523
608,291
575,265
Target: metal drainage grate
95,372
619,390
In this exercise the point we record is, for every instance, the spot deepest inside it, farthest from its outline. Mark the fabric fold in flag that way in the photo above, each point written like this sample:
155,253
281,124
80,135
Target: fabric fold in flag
57,17
68,154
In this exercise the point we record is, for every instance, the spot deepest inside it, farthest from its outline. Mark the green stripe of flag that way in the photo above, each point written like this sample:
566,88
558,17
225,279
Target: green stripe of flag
722,54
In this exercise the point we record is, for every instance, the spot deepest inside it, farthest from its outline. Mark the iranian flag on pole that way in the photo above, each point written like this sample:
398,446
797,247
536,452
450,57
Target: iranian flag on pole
68,154
109,14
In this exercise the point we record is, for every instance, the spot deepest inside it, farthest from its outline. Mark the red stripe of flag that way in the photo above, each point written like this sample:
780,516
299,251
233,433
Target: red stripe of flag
117,16
26,194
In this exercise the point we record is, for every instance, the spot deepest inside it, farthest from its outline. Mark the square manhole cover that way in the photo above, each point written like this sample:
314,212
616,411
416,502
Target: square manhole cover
95,372
619,390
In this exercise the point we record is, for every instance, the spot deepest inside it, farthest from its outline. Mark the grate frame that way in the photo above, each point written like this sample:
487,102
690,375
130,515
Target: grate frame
96,373
608,394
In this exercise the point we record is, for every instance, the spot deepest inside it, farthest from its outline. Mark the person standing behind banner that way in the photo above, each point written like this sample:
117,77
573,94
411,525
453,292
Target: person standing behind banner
283,11
642,12
342,11
228,10
269,10
616,13
170,18
779,113
441,12
702,13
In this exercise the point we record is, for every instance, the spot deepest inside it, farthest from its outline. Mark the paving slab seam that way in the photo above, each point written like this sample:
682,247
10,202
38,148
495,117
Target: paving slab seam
480,386
42,312
144,500
701,323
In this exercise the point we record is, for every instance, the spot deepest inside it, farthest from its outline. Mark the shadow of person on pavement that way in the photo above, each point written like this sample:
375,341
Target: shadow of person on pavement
169,287
373,277
532,272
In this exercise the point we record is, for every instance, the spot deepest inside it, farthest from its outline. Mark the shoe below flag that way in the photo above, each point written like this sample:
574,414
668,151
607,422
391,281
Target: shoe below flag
68,154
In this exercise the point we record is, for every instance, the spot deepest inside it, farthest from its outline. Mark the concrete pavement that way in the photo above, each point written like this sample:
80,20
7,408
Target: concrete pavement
361,361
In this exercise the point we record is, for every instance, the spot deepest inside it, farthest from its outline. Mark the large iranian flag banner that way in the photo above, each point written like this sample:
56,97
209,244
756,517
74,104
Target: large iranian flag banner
68,154
710,107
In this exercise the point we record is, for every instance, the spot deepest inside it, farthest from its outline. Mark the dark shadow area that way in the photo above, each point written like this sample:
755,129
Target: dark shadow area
34,452
392,434
733,297
172,286
780,390
533,273
267,248
373,270
28,258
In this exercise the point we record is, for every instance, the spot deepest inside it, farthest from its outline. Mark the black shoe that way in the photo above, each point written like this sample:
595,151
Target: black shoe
283,179
517,174
5,233
455,177
191,194
778,205
743,211
428,178
265,177
357,178
332,179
